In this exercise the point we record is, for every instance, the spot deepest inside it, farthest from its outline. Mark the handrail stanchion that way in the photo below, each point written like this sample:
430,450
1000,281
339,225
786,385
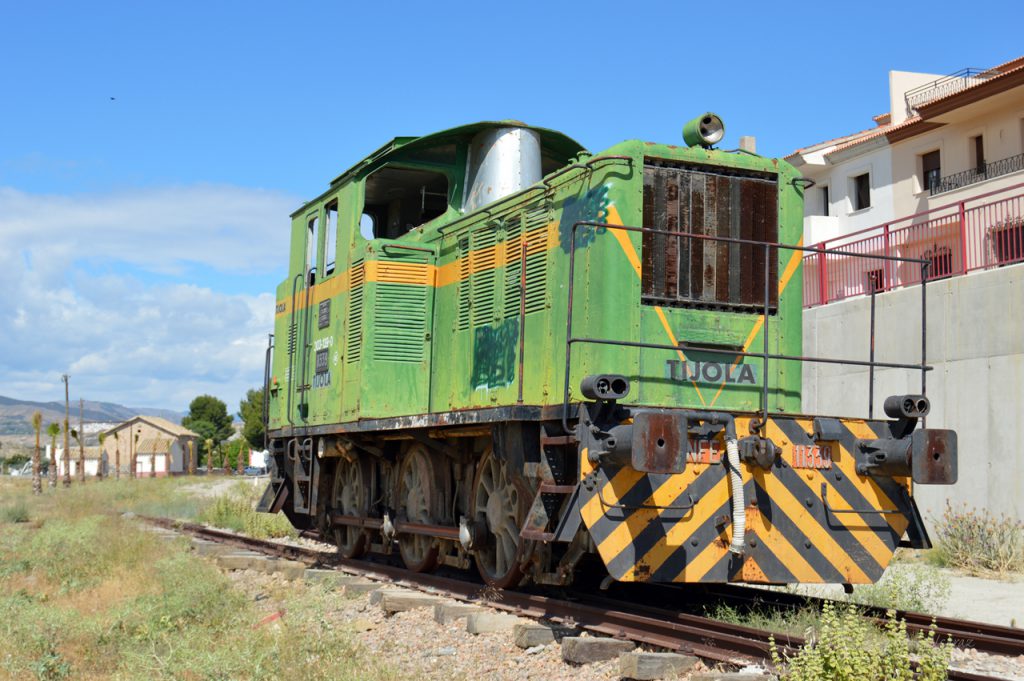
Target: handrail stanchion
963,238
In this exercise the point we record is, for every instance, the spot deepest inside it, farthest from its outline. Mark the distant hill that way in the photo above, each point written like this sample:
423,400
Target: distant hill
16,415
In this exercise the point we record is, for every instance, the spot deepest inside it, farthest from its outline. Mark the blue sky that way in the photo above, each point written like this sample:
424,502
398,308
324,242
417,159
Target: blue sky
173,197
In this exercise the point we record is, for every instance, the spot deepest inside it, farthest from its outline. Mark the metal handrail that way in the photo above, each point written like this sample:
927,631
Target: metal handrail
947,85
765,355
919,214
984,171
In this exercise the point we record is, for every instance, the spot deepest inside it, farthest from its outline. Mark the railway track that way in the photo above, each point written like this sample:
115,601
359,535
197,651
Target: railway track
603,614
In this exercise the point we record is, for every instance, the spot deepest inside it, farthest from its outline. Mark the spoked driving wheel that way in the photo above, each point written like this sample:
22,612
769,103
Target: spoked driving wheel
420,499
499,507
349,496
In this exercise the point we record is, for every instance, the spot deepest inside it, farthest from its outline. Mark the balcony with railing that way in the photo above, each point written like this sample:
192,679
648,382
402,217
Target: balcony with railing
981,232
984,171
947,85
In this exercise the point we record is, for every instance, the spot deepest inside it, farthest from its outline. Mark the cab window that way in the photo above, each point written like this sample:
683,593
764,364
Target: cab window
399,199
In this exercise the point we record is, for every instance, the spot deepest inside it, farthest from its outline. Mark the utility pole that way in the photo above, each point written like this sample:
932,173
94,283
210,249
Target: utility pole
67,419
81,441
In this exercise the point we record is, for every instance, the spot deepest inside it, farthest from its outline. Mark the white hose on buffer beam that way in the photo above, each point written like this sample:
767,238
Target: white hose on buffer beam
739,511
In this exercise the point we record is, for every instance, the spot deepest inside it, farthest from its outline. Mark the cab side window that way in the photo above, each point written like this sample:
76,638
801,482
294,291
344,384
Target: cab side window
330,237
312,239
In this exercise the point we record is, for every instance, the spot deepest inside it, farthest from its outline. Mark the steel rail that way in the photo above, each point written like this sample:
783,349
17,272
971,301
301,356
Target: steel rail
705,637
625,619
982,636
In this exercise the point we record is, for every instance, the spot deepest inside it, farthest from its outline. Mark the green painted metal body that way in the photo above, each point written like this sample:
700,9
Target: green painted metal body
433,321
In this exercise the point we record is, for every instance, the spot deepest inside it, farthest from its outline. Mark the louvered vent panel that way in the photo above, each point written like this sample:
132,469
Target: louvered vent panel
354,327
534,232
536,258
513,264
465,303
483,259
292,331
400,330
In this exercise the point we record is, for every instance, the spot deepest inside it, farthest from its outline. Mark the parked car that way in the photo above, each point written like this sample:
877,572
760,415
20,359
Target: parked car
22,470
255,470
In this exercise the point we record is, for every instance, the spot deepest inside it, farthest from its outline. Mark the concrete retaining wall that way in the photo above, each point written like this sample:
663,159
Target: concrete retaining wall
975,343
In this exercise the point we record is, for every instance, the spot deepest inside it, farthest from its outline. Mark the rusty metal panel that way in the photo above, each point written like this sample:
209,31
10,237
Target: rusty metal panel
708,201
659,442
934,457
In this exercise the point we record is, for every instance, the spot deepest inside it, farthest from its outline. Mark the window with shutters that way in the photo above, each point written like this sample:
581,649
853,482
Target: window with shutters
860,191
931,171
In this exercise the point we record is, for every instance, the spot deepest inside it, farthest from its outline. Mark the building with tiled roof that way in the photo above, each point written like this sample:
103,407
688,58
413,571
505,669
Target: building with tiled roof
926,210
157,446
949,153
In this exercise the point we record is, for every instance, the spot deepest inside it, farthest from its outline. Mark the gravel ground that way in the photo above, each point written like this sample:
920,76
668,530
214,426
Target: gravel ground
420,648
971,660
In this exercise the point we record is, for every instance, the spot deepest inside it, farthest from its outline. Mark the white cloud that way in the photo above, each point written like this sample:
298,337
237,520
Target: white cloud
125,336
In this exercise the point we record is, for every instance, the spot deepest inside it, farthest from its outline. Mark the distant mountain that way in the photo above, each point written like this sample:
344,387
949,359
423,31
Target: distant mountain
16,415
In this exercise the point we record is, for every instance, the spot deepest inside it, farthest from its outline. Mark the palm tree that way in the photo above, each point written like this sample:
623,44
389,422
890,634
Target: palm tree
99,462
80,472
209,456
37,482
152,462
191,456
53,430
67,454
134,455
117,456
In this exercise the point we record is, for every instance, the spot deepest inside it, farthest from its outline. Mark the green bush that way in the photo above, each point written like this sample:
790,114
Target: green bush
919,588
80,552
235,511
978,542
15,512
848,647
797,622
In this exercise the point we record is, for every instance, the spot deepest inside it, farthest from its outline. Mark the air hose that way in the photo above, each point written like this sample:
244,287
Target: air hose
739,512
732,461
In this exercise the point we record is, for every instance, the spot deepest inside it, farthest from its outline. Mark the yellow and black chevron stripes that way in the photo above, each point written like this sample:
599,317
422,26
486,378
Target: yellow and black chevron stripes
676,528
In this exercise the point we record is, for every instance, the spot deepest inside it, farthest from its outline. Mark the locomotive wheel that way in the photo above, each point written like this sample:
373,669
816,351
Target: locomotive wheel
419,500
499,505
349,496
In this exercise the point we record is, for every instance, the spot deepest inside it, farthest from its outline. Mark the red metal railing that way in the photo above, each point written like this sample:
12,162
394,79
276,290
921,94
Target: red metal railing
957,238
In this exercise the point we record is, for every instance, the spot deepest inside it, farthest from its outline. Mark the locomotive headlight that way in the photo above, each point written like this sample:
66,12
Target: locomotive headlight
705,130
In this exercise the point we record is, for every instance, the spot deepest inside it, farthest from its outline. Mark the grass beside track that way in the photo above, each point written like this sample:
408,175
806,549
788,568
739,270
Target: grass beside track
89,594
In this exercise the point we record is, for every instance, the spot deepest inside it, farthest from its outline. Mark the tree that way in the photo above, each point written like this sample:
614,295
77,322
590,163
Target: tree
250,410
99,462
208,417
37,482
53,430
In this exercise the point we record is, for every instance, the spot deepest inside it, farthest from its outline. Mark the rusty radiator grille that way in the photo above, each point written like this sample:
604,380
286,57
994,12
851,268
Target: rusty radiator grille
723,202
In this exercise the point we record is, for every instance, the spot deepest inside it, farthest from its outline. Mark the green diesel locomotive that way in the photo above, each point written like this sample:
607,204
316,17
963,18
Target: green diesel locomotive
495,346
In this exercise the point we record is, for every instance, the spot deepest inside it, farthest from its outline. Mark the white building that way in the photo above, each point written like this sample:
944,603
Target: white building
939,178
